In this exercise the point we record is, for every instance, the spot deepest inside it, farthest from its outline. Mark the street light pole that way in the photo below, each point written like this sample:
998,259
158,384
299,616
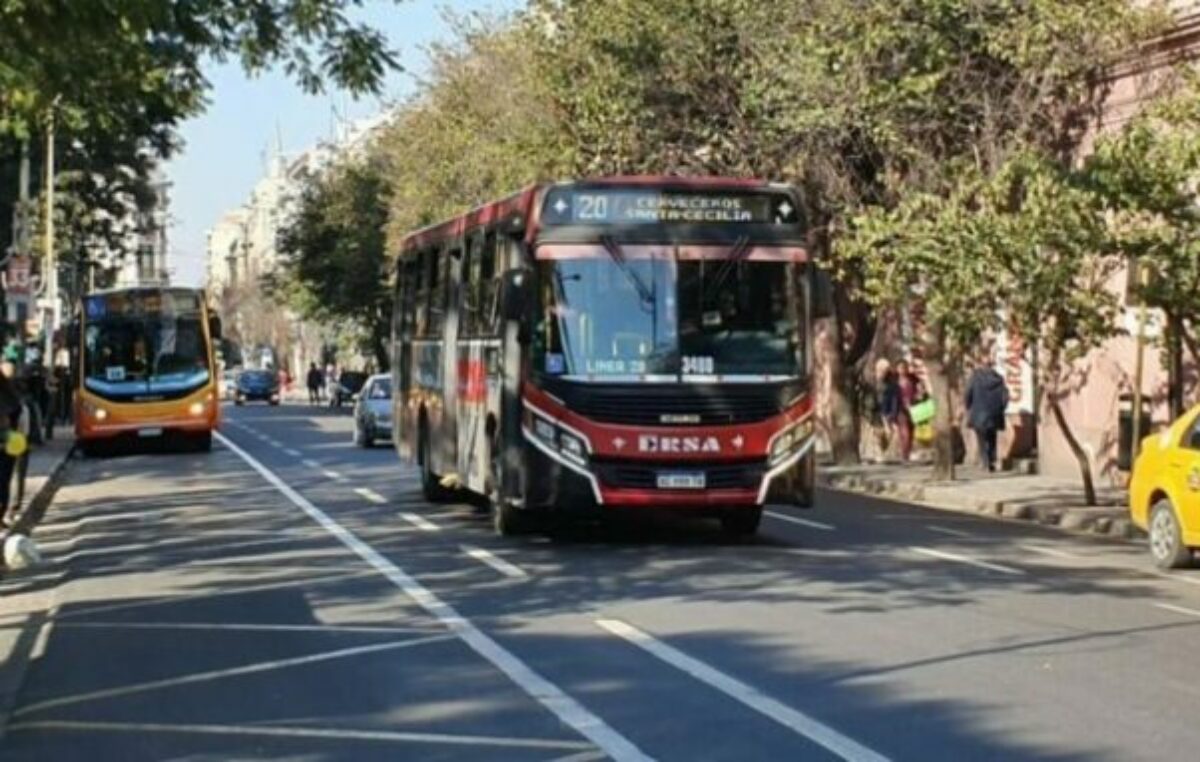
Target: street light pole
51,262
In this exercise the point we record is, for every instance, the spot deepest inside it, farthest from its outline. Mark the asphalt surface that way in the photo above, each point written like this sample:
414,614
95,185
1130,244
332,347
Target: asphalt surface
289,596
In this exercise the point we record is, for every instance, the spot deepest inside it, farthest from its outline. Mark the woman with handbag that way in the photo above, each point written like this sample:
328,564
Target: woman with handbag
911,391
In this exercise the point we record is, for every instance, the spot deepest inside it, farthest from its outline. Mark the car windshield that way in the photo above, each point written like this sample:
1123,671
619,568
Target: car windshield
138,343
381,390
611,317
257,376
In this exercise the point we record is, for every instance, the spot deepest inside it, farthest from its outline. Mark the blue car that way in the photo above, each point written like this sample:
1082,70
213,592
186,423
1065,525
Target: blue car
260,385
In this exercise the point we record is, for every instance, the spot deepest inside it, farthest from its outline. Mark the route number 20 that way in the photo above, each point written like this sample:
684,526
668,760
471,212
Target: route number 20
592,207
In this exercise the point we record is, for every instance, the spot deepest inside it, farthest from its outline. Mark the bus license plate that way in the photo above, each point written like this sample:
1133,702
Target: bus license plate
155,432
685,480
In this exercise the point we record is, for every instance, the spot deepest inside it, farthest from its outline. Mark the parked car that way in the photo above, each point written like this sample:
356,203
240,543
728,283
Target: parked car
347,386
262,385
1164,491
373,411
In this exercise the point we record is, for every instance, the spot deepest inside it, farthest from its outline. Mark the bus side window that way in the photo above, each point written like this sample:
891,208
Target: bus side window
470,288
488,287
438,287
421,303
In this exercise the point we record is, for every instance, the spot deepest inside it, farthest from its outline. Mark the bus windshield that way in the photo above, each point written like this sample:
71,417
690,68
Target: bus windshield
605,318
144,344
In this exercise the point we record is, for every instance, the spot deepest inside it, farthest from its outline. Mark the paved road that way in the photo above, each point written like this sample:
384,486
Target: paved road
289,596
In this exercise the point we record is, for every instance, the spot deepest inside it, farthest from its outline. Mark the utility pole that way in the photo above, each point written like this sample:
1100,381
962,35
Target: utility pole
1143,280
50,260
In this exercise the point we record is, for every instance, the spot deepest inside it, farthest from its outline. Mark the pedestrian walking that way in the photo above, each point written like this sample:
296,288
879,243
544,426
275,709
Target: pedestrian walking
12,459
314,383
887,408
986,402
910,391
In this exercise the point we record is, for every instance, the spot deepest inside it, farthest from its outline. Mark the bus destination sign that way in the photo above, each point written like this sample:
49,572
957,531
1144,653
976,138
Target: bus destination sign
578,206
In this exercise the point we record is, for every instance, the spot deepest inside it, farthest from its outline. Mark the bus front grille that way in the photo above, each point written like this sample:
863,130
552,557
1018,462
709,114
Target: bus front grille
676,404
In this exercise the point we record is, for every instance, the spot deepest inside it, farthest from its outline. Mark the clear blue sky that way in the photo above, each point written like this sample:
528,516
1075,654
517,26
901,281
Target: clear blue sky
224,148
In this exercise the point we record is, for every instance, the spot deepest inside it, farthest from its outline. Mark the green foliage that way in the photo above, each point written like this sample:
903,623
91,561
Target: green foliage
336,268
1148,174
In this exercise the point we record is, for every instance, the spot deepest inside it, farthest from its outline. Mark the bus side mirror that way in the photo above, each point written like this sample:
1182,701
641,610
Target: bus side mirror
214,327
822,295
516,296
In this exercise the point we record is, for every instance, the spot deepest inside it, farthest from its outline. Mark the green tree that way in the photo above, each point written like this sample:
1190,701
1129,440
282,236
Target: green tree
336,269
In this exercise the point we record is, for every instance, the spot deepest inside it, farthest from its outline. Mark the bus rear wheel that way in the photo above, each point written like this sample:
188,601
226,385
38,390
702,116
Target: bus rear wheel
741,522
431,483
507,519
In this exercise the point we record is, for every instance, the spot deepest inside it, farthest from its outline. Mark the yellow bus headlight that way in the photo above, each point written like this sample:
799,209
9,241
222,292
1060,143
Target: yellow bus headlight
196,409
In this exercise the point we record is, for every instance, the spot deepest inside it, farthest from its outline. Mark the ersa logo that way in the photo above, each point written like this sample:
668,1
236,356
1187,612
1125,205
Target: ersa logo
661,443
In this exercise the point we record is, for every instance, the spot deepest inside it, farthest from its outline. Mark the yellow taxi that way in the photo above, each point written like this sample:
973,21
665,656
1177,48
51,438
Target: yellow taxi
1164,492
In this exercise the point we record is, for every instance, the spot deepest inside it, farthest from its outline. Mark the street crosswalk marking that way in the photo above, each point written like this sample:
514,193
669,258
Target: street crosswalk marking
549,695
793,719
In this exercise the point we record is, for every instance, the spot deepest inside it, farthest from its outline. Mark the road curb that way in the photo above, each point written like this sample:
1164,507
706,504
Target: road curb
1092,521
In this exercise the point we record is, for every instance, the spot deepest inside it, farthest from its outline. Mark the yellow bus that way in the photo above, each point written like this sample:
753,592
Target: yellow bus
144,367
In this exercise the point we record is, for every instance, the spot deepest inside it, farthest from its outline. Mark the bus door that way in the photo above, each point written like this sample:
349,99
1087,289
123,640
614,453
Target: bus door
473,349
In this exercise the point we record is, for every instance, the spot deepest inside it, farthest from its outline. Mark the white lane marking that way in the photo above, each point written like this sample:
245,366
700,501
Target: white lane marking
944,556
583,756
793,719
947,531
331,474
495,561
369,494
219,674
243,627
1052,552
549,695
341,734
1177,609
420,522
291,452
275,443
310,463
802,522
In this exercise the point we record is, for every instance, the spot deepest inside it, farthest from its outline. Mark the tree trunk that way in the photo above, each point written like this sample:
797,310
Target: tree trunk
1175,365
1085,467
843,426
939,374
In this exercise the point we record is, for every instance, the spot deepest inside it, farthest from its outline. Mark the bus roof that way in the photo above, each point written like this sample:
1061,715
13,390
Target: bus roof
521,205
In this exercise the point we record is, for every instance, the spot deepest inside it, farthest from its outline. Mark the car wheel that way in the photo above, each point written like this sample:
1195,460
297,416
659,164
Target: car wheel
1166,538
741,522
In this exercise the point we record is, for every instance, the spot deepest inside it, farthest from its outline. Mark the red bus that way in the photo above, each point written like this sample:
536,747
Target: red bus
619,343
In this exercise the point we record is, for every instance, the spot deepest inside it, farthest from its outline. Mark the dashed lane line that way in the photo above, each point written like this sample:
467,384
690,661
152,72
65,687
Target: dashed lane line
329,474
370,495
310,463
1177,609
1051,552
549,695
496,562
802,522
961,559
948,532
420,522
793,719
291,453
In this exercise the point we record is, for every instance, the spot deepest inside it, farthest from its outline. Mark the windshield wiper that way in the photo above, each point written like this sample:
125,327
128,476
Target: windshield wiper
740,250
614,252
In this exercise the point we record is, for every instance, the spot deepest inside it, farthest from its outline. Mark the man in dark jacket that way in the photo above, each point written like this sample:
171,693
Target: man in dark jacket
987,401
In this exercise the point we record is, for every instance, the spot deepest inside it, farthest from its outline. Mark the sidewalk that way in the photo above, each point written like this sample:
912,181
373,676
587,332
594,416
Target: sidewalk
1011,495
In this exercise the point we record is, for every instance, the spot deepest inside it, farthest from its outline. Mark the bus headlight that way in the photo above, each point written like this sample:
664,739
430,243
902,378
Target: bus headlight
790,439
94,411
196,409
543,429
571,446
100,414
